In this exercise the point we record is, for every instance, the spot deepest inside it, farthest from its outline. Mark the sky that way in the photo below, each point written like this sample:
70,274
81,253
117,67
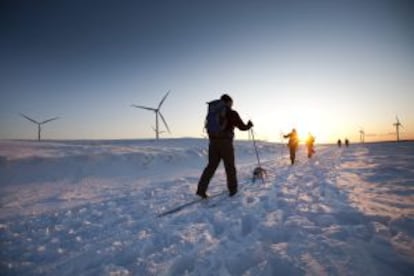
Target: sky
327,67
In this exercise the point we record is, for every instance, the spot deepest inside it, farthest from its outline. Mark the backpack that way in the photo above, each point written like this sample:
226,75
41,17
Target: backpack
216,120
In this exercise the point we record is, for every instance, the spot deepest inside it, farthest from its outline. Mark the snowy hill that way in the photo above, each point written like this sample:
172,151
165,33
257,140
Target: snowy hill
90,208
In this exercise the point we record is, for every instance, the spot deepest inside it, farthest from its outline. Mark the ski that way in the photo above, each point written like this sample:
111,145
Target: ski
182,206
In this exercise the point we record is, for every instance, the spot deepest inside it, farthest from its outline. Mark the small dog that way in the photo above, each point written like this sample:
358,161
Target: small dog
259,173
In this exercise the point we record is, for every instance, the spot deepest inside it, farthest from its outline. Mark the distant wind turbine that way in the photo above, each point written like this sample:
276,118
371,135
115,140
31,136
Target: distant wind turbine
39,124
362,135
397,125
157,113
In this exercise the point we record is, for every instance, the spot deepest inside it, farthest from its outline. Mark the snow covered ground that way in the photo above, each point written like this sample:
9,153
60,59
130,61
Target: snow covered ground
90,208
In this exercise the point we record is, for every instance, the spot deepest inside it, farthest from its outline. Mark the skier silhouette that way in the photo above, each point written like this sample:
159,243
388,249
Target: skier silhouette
346,142
292,144
221,148
310,140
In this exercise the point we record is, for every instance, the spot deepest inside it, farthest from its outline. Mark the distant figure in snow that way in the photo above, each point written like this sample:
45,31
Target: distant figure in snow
292,144
346,142
220,123
310,140
339,143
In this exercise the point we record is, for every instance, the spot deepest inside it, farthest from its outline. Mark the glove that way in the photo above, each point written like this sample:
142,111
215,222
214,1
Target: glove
250,124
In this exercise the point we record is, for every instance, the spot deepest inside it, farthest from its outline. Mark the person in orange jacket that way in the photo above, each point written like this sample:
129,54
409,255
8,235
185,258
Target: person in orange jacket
292,144
310,140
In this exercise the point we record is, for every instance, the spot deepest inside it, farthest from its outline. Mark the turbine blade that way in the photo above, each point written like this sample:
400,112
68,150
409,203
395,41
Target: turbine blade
30,119
46,121
143,107
165,122
163,99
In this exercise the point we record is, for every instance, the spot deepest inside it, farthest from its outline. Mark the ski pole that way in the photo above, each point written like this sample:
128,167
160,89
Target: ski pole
258,158
255,148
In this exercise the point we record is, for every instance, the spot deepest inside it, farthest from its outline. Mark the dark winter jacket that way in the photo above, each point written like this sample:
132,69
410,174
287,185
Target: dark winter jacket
233,120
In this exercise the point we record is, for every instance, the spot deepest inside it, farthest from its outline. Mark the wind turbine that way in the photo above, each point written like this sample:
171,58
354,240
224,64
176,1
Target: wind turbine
362,135
397,125
157,113
39,124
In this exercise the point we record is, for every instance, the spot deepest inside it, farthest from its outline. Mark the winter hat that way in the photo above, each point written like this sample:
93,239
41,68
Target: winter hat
226,98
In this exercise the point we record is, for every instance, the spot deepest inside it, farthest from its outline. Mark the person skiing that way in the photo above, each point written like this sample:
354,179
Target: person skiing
221,146
292,144
310,140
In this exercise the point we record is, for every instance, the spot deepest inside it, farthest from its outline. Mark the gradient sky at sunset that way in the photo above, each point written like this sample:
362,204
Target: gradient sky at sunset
330,67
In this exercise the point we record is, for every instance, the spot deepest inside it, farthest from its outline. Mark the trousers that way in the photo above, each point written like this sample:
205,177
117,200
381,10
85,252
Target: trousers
219,149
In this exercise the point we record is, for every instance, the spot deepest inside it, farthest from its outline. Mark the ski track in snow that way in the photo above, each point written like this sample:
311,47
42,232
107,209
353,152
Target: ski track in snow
91,209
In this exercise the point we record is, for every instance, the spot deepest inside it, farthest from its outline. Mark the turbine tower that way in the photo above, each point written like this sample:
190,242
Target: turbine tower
155,130
397,125
157,113
39,124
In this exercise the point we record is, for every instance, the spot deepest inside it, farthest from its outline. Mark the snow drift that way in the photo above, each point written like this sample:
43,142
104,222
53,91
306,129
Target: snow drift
90,208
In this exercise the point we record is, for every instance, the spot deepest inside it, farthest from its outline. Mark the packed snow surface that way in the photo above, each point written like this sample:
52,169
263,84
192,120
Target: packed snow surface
91,208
